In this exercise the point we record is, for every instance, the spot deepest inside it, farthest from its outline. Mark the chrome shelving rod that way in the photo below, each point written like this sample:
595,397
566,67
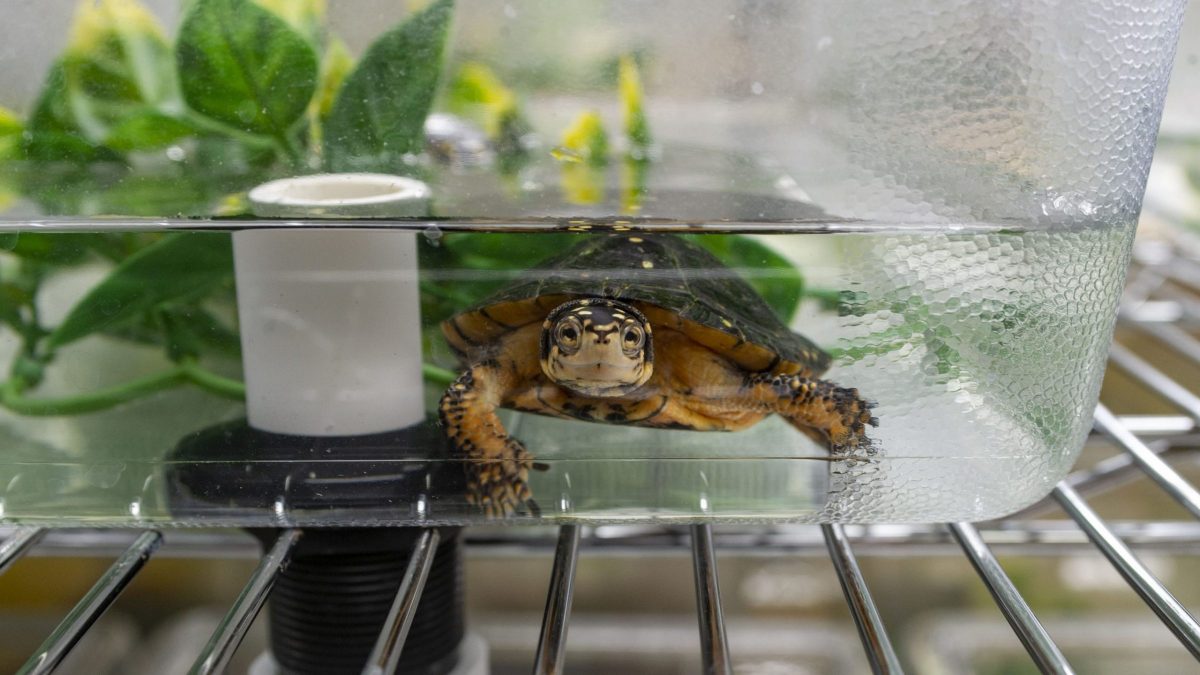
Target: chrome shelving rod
385,657
714,646
85,613
15,546
1176,337
225,640
1156,380
1150,425
1172,613
1103,476
1151,463
866,616
552,641
1048,657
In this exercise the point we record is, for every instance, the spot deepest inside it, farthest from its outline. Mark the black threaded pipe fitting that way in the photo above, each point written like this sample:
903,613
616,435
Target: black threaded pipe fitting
328,607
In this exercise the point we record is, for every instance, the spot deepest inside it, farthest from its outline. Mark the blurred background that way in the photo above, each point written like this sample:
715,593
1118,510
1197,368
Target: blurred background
634,608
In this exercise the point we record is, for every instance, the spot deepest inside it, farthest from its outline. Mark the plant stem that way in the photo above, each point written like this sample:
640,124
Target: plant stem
213,383
12,397
206,124
289,148
828,297
438,375
12,392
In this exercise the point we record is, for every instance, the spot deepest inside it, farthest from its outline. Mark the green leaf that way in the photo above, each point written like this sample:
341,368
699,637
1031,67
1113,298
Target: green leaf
117,64
191,189
770,274
480,251
193,326
243,66
178,194
178,268
147,130
52,249
379,116
52,131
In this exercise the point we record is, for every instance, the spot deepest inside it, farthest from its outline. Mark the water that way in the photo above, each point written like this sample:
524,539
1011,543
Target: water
940,196
982,347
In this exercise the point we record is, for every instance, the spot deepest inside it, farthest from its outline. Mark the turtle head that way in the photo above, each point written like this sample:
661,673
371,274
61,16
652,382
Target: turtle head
597,347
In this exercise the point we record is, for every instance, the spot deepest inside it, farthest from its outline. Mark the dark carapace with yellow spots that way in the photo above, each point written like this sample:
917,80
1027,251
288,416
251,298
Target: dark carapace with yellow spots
638,329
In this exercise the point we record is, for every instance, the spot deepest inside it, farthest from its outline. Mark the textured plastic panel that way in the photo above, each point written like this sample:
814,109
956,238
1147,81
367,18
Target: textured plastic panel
941,195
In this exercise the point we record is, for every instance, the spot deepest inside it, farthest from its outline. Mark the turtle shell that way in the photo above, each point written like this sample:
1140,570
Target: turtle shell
674,282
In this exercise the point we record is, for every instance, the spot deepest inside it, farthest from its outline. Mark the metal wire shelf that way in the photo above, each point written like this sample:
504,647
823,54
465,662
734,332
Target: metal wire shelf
1163,295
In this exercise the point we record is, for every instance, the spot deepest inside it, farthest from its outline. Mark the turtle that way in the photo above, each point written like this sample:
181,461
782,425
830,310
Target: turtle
644,329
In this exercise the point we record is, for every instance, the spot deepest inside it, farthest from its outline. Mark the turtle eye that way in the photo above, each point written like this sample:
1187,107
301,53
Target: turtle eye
631,339
567,334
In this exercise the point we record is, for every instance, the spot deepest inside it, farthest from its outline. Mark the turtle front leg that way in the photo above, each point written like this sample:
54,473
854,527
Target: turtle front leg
498,467
839,415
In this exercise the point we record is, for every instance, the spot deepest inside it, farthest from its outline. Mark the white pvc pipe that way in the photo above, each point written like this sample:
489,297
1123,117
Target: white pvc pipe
330,319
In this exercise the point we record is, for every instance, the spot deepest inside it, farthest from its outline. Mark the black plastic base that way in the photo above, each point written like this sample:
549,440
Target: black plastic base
234,472
328,607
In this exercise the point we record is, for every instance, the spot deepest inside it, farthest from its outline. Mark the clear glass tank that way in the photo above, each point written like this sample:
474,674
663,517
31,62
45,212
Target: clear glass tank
939,196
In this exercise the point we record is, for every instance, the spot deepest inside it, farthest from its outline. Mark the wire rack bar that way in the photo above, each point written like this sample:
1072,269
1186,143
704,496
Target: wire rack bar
552,642
1149,461
1157,425
1036,538
1155,379
874,635
98,599
214,658
714,646
1109,473
1173,335
385,657
1172,613
1045,653
16,545
1025,537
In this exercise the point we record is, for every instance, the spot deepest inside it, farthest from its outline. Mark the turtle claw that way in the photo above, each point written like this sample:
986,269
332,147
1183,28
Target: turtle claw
500,486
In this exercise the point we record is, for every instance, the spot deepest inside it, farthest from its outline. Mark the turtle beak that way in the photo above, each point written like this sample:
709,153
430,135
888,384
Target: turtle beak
599,368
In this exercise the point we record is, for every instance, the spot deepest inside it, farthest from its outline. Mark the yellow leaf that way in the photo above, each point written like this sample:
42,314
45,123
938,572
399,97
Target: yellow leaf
629,86
9,122
97,20
586,137
10,132
582,183
232,205
633,184
477,85
307,17
335,66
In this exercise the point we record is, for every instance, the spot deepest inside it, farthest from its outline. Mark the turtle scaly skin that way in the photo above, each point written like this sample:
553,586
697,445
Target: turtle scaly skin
643,330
